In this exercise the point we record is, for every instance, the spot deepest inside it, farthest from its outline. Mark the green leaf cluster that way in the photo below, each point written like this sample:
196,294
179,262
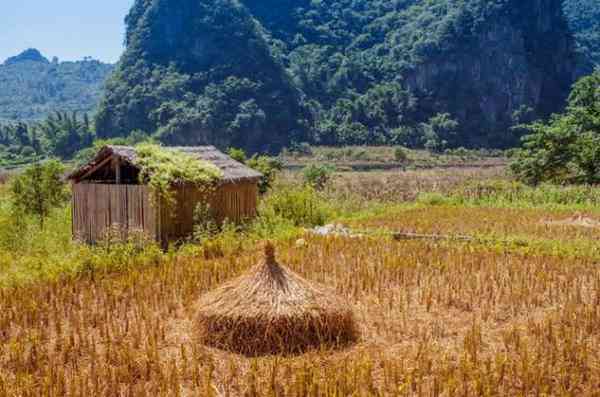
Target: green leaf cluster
567,148
162,168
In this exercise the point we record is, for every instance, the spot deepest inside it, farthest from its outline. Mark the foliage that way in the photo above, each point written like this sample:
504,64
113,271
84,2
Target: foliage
342,72
205,224
237,154
229,92
39,189
566,149
318,175
302,206
400,154
584,19
268,166
33,87
162,168
61,135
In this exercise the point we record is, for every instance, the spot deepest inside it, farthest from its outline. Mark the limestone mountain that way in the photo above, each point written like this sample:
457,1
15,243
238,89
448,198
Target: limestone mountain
198,72
31,86
486,64
416,72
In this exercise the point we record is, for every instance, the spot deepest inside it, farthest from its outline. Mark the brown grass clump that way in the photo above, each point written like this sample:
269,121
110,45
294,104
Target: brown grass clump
272,310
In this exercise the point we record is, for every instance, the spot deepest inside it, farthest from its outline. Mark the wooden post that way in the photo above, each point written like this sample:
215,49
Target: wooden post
118,170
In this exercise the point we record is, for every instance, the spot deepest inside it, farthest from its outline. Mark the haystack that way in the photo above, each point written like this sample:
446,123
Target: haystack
272,310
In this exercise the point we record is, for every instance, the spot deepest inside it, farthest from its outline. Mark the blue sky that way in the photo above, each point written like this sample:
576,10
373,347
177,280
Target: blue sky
68,29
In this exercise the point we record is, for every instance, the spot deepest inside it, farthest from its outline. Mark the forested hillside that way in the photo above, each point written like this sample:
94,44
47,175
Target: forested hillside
267,73
201,72
584,19
432,73
31,86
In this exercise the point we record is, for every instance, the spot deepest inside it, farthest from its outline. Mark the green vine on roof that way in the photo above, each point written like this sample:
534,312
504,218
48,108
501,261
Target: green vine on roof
161,168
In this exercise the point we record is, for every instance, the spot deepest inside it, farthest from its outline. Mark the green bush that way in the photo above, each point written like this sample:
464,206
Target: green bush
237,154
300,206
400,154
205,224
433,199
39,189
268,167
318,175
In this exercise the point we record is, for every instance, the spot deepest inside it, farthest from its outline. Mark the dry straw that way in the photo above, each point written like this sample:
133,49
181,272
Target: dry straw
272,310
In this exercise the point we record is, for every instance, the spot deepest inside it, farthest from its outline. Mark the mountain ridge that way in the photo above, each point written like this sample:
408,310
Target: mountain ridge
33,87
410,72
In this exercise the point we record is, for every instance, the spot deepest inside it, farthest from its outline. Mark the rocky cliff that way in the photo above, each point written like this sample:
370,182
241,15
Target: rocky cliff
509,63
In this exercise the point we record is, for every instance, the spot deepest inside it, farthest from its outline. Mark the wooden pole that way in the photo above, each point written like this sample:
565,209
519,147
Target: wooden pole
118,170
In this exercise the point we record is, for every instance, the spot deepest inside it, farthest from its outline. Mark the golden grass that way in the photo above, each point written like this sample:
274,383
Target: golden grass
502,222
398,185
434,320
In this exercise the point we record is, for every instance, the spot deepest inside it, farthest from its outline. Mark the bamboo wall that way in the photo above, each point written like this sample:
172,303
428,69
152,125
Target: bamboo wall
128,210
125,209
232,202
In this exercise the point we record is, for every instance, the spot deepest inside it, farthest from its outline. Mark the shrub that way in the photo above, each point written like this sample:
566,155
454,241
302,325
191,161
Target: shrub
301,206
268,166
567,149
39,189
237,154
301,149
27,151
432,199
400,154
205,224
318,175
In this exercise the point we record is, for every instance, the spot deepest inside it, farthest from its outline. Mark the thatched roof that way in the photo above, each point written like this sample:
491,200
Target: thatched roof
233,171
271,310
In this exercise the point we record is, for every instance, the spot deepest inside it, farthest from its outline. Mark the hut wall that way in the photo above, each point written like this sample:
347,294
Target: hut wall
128,210
233,202
123,209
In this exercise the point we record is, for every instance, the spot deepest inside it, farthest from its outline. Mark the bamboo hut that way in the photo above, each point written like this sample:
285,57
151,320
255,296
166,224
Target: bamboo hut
109,196
272,310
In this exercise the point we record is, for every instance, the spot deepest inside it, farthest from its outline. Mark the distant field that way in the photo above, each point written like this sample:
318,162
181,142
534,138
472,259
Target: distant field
368,158
515,312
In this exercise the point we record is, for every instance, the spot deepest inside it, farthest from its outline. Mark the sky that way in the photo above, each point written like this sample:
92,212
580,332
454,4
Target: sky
68,29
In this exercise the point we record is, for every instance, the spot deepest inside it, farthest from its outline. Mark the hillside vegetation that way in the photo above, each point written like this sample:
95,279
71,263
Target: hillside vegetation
584,19
437,73
31,87
268,74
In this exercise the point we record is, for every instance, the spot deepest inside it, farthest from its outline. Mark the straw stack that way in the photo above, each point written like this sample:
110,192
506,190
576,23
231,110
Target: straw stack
272,310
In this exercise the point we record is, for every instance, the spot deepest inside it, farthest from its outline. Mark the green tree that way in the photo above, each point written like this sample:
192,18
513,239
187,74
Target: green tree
39,189
567,148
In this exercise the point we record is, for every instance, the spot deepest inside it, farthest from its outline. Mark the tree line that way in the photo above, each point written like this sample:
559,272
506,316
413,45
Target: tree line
61,134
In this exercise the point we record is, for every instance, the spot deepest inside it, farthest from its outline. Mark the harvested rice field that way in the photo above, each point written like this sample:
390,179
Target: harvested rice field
434,319
514,312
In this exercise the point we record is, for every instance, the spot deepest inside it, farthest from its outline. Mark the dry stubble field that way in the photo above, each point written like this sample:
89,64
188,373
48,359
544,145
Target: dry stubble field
447,319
